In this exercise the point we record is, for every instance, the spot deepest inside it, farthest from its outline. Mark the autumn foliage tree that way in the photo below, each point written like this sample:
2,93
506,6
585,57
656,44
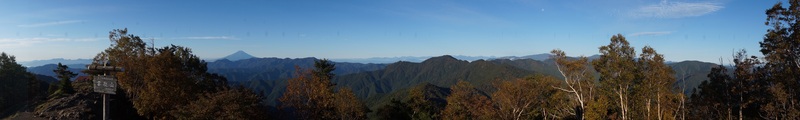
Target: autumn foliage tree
311,95
529,98
172,83
466,102
526,98
423,105
423,102
578,79
130,52
514,101
159,81
617,68
348,106
234,103
639,88
656,94
306,95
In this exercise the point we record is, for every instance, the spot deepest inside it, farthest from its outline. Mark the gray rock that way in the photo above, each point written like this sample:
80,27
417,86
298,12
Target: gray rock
78,106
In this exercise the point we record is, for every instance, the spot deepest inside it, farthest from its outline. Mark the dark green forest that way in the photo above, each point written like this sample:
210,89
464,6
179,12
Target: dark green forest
623,82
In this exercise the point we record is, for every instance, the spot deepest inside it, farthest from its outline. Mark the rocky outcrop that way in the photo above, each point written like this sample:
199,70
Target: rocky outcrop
78,106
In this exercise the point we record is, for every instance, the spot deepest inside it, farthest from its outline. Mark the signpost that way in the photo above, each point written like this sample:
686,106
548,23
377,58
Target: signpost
105,85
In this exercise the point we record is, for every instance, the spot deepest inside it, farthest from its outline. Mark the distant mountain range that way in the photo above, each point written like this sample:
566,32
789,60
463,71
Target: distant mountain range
691,73
277,68
241,55
47,70
35,63
370,81
377,82
539,57
386,60
441,71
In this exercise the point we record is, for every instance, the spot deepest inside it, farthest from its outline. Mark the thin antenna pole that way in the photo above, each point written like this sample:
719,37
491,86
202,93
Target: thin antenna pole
152,46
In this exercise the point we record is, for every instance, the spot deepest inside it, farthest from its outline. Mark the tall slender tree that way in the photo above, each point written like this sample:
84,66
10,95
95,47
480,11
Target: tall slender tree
748,86
323,69
781,50
64,82
617,68
656,95
578,79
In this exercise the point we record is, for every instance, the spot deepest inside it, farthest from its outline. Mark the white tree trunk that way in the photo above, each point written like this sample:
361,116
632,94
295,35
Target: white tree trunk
621,102
658,105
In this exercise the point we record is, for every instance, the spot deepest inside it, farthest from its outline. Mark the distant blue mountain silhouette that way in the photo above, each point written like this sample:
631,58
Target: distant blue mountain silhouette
238,55
36,63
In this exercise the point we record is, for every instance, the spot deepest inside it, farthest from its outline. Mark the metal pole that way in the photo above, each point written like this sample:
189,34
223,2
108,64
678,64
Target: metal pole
105,101
105,107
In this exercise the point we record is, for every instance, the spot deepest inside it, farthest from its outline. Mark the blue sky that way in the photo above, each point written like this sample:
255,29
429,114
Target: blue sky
681,30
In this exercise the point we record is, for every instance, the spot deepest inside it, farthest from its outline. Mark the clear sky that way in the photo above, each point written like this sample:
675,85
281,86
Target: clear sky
681,30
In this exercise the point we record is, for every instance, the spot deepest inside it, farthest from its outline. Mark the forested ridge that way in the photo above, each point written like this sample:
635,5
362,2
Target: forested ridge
623,82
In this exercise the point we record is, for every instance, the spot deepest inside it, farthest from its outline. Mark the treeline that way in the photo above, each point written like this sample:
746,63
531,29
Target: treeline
17,86
763,88
20,88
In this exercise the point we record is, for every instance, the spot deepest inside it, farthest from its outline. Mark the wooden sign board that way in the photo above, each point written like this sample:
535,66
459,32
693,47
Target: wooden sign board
104,84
